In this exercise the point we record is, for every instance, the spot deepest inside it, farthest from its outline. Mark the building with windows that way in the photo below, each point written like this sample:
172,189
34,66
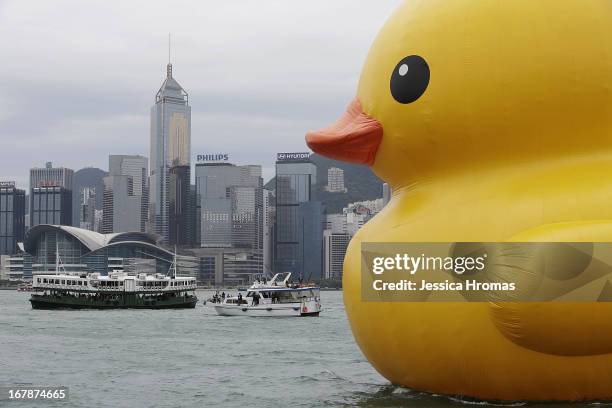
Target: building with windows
335,180
299,218
340,228
136,167
170,146
121,208
50,205
48,189
334,248
50,176
180,224
88,251
86,178
231,219
15,267
269,220
12,217
87,208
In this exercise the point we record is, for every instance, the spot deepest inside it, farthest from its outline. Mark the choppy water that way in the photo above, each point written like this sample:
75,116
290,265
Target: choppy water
193,358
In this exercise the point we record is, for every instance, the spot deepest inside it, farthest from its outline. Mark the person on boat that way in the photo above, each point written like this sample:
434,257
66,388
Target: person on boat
239,298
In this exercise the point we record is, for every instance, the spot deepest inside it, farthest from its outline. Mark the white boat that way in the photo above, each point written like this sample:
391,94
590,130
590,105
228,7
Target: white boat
276,297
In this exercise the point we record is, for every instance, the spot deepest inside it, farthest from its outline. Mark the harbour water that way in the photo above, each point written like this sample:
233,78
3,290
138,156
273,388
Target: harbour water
193,358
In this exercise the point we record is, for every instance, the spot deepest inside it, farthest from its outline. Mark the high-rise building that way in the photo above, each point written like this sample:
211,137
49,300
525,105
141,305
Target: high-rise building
121,208
269,212
50,205
299,218
170,146
52,183
87,177
334,248
136,167
50,176
87,208
231,219
12,217
179,210
335,180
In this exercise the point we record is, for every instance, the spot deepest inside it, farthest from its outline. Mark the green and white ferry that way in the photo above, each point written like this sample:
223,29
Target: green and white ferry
115,291
118,290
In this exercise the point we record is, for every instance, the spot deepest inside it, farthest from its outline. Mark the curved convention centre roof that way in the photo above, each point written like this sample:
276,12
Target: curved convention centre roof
92,240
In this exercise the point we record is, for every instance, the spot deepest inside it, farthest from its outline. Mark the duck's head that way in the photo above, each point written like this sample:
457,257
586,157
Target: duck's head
453,85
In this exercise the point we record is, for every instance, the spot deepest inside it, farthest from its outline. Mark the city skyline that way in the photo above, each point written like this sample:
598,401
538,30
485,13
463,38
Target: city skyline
93,95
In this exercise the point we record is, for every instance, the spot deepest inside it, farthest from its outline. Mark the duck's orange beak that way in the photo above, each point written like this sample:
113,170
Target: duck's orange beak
354,138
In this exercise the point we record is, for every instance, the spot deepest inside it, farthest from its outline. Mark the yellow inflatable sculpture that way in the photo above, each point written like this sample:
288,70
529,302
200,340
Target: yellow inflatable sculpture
491,121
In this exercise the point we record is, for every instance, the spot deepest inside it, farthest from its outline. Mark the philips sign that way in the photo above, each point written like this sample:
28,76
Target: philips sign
219,157
292,156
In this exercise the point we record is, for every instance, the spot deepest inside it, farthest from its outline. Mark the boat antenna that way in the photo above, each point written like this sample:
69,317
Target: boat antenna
172,270
58,261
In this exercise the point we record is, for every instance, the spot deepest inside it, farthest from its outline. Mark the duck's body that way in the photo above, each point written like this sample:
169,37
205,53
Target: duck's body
458,348
496,125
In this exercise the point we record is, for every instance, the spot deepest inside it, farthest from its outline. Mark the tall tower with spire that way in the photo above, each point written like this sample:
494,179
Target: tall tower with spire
170,147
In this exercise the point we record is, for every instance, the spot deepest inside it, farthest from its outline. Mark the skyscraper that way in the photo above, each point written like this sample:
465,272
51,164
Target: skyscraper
50,205
170,146
50,176
135,167
334,248
299,217
269,216
88,177
121,208
179,210
232,218
87,208
49,187
12,217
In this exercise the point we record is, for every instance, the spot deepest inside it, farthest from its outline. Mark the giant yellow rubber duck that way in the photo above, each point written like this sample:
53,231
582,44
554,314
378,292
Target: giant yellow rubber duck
491,121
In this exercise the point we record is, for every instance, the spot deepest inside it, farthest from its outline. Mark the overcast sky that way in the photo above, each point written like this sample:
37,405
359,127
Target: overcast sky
78,78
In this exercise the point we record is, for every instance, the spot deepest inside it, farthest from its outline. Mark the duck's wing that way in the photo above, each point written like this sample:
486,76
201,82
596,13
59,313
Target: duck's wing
574,276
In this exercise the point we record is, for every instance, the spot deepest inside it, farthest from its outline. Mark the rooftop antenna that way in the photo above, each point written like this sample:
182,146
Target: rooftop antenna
169,67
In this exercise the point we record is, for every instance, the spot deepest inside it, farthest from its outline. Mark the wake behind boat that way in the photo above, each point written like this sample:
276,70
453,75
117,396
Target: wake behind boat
276,297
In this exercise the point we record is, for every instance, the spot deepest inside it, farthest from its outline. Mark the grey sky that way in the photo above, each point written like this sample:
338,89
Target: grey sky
78,77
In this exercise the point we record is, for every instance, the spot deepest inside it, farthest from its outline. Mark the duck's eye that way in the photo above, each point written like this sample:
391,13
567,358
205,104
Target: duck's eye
409,79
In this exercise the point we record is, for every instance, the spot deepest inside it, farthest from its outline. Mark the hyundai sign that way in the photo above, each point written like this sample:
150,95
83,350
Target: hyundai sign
292,156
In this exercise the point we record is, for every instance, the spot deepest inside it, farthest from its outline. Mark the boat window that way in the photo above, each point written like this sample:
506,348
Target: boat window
85,283
44,281
63,281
